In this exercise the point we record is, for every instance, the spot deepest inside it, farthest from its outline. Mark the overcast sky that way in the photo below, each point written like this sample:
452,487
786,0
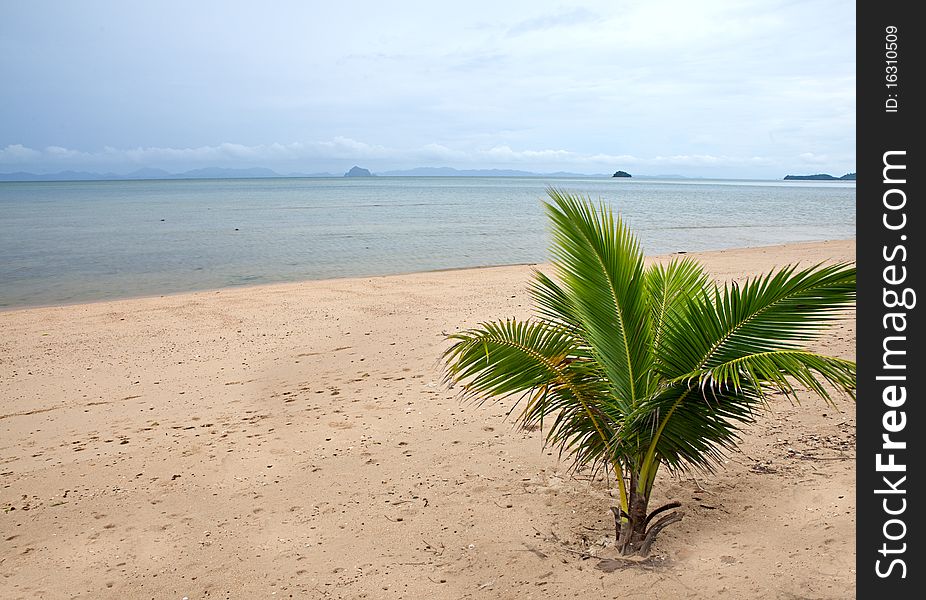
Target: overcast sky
708,88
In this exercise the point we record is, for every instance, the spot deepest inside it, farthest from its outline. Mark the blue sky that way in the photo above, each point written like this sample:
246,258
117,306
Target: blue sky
713,89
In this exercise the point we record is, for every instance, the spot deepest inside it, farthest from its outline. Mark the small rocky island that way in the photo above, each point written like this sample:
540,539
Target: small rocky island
621,174
820,177
356,171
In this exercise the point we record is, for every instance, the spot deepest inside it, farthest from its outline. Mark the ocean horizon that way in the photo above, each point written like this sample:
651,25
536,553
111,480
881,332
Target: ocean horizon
65,242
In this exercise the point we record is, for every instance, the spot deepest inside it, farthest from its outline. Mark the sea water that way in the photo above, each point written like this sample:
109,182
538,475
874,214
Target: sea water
65,242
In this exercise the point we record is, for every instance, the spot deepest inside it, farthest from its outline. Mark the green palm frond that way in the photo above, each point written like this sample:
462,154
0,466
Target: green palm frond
600,265
740,340
776,311
703,427
508,357
695,420
775,369
548,367
670,288
583,427
553,303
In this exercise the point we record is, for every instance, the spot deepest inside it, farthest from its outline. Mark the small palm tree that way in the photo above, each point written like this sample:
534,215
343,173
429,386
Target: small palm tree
634,367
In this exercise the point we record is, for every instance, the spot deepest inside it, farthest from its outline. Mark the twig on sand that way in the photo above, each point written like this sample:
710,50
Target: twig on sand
433,548
811,457
535,551
584,555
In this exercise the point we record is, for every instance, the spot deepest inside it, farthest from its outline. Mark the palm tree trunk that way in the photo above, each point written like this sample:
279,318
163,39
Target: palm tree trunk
635,535
633,527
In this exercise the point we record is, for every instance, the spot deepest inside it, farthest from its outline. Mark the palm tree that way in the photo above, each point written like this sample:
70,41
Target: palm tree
633,368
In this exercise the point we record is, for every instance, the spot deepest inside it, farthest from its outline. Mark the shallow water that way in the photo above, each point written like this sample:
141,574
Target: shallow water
64,242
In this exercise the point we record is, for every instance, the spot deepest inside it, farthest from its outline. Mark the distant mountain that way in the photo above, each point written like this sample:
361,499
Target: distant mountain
219,173
820,177
451,172
311,175
356,171
621,174
147,173
20,176
61,176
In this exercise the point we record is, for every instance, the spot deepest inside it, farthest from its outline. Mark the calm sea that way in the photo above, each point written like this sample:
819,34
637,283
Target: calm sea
65,242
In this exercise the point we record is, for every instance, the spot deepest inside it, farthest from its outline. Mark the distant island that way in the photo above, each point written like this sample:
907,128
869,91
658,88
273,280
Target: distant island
820,177
356,171
621,174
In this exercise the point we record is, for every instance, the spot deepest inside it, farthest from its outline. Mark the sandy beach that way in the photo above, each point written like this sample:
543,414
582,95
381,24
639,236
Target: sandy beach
296,440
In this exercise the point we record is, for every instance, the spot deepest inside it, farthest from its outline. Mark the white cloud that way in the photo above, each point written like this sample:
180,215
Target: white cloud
16,153
506,154
814,159
343,147
562,19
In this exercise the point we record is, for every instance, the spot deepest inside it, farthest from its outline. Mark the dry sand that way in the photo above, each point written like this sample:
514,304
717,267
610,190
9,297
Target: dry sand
295,441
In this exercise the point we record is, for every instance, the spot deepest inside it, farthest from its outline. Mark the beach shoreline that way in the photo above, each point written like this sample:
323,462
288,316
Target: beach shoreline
296,439
247,286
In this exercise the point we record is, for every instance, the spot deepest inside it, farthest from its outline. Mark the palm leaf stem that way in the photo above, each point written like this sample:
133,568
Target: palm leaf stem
622,489
646,477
